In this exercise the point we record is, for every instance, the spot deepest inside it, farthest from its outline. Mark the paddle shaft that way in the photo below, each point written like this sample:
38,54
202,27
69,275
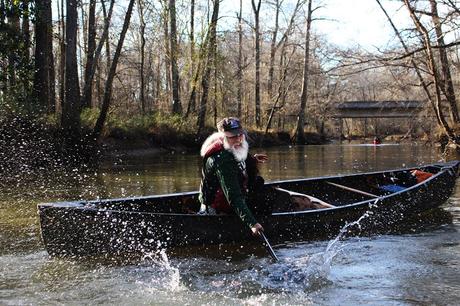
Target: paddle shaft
354,190
268,246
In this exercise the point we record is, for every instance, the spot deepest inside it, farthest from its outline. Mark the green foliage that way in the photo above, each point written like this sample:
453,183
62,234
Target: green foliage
16,67
88,117
175,122
158,128
141,123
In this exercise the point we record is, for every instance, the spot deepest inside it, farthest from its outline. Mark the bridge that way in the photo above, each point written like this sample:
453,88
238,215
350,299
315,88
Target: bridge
376,109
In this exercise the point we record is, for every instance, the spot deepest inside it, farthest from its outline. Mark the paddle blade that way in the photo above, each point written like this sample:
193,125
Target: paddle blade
268,247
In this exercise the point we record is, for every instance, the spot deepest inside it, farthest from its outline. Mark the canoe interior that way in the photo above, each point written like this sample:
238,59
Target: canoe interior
321,188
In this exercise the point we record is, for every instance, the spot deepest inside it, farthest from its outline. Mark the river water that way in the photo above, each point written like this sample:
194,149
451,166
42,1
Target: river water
415,268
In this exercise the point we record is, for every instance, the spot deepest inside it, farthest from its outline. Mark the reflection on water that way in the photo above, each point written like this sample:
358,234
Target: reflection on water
179,172
417,267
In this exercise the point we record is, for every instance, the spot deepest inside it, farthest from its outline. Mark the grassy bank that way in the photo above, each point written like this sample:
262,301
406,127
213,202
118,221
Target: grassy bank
175,133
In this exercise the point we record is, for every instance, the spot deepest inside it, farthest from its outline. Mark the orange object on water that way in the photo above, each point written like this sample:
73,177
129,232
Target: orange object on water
421,175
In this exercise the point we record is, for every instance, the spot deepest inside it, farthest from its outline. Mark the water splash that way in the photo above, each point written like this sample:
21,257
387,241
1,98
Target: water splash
310,272
165,276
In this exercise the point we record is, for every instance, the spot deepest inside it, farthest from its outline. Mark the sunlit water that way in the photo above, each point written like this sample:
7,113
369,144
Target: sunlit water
420,268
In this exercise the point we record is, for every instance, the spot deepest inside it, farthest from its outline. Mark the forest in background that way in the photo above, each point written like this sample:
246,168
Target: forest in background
74,74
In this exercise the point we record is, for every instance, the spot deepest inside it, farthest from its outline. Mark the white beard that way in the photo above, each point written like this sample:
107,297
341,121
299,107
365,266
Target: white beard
240,153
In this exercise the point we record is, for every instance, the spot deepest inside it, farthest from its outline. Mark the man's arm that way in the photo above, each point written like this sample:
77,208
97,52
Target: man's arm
227,173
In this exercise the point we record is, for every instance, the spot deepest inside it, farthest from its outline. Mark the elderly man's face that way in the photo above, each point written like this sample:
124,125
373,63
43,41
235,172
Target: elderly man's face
238,146
235,141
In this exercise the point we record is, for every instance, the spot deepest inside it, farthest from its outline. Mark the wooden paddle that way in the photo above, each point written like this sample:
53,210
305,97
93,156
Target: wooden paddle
268,246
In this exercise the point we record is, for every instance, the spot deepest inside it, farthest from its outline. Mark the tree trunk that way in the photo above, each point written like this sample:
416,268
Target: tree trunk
211,46
87,91
240,61
300,134
446,80
167,50
140,9
275,46
282,89
3,64
175,82
256,9
71,108
91,48
41,84
26,28
414,64
215,91
61,71
113,68
52,75
271,68
194,81
14,25
432,68
192,101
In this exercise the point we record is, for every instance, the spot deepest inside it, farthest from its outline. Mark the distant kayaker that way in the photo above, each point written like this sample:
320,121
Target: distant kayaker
229,174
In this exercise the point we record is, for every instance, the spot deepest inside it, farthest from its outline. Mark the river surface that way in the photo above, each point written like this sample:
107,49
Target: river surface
415,268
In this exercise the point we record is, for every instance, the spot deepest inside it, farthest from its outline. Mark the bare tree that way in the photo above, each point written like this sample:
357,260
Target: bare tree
177,107
413,62
167,52
256,10
271,68
113,68
192,102
26,27
210,60
61,65
274,46
97,53
51,71
13,21
432,68
140,10
240,61
300,134
282,87
446,77
71,107
42,86
91,48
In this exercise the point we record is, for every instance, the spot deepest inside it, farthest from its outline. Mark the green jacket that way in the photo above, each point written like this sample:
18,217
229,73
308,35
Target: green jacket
221,170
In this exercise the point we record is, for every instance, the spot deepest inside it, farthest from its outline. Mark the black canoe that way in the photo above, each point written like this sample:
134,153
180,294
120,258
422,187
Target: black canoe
144,224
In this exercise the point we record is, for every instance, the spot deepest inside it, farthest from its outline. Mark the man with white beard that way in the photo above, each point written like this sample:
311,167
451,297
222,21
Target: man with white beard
228,173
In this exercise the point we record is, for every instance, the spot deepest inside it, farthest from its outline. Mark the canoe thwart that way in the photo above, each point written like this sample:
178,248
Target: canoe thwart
353,189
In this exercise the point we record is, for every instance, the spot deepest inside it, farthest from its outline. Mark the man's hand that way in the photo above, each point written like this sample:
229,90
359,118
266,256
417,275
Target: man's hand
261,158
256,229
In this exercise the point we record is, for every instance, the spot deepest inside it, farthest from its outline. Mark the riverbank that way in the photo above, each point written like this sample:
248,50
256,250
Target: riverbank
29,145
120,144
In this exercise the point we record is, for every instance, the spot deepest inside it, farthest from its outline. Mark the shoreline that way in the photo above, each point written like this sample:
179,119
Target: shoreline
124,151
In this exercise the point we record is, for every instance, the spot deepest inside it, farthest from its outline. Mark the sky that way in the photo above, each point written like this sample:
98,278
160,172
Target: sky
361,22
346,23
